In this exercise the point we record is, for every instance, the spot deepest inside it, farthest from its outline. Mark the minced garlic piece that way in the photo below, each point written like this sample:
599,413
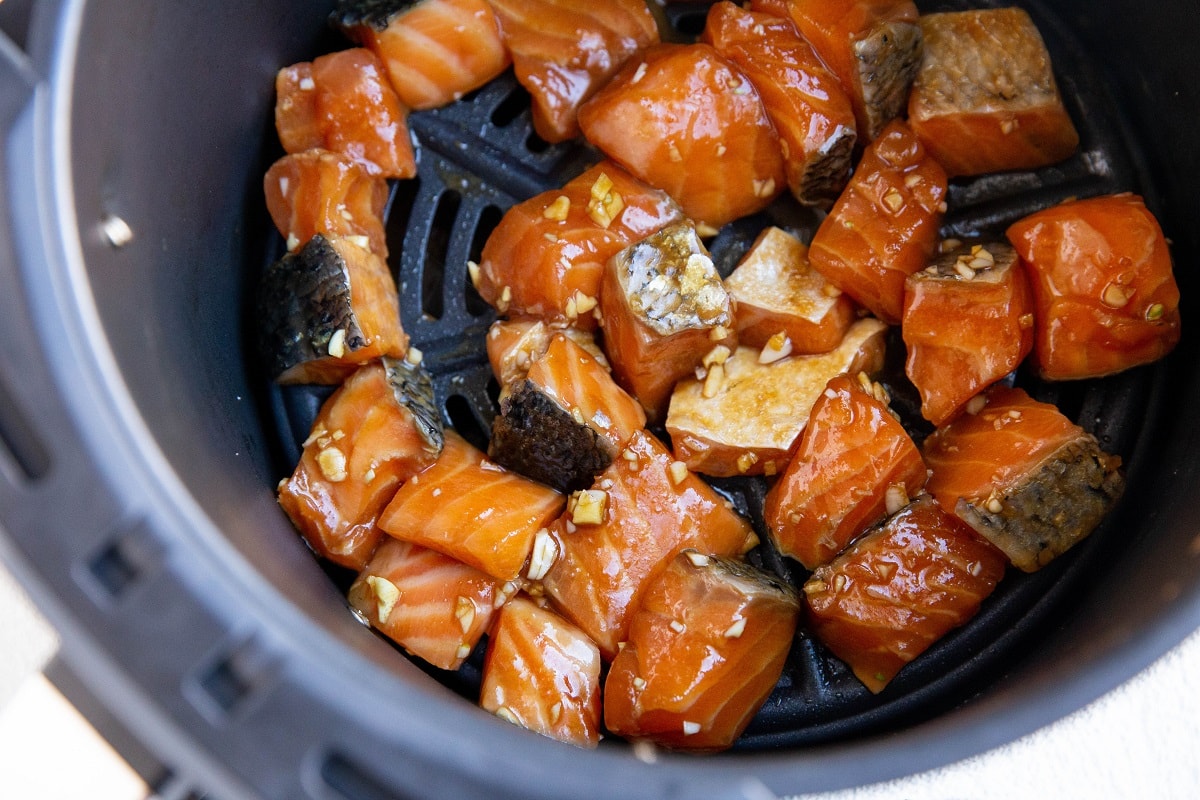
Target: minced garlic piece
386,596
590,505
558,210
332,462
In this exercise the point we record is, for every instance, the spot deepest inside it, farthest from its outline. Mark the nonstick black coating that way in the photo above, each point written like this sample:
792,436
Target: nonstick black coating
480,155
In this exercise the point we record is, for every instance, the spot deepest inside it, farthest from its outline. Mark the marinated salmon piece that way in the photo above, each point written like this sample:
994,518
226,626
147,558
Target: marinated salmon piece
705,649
1023,475
702,133
542,673
546,256
319,191
639,513
899,589
566,420
472,509
985,99
1103,285
665,312
745,417
805,101
343,102
884,227
563,51
968,322
435,51
376,431
513,345
434,607
784,305
324,311
873,46
854,465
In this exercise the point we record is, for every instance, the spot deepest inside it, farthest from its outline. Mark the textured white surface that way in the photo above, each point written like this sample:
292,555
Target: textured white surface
1141,740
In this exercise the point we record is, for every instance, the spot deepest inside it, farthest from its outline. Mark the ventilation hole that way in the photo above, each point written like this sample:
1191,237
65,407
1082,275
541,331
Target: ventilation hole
536,144
16,434
125,561
511,107
489,218
463,418
433,271
399,211
353,782
233,677
690,24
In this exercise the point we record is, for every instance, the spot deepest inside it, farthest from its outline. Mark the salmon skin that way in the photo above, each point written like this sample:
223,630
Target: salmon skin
873,46
665,310
472,509
563,51
434,607
854,465
703,135
899,589
376,431
566,421
810,110
884,227
542,673
706,647
344,102
326,310
647,510
545,257
1104,287
985,98
1023,476
777,291
435,51
984,290
319,191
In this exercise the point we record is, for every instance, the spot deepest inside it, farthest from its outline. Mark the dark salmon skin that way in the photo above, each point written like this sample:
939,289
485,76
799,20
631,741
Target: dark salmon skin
650,510
370,436
1022,475
968,322
542,673
702,133
899,589
546,256
705,648
1103,286
855,463
472,509
344,102
435,51
810,110
563,51
985,98
434,607
884,227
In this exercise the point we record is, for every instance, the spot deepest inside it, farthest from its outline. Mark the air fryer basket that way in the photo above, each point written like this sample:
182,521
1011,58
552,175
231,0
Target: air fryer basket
141,446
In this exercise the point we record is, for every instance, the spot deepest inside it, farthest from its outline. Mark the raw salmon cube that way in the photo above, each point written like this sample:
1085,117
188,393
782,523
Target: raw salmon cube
783,304
899,589
705,648
542,673
640,511
1022,475
434,607
472,509
344,102
513,345
985,99
665,312
375,432
968,322
745,417
855,464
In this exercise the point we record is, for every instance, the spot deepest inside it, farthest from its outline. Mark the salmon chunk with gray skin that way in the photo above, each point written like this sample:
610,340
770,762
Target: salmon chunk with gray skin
985,99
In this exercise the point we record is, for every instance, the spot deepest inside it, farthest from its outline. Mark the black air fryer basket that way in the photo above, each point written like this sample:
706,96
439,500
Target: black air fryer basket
140,444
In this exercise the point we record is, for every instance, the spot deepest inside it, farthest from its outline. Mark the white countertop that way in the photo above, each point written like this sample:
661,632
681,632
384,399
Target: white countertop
1141,740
